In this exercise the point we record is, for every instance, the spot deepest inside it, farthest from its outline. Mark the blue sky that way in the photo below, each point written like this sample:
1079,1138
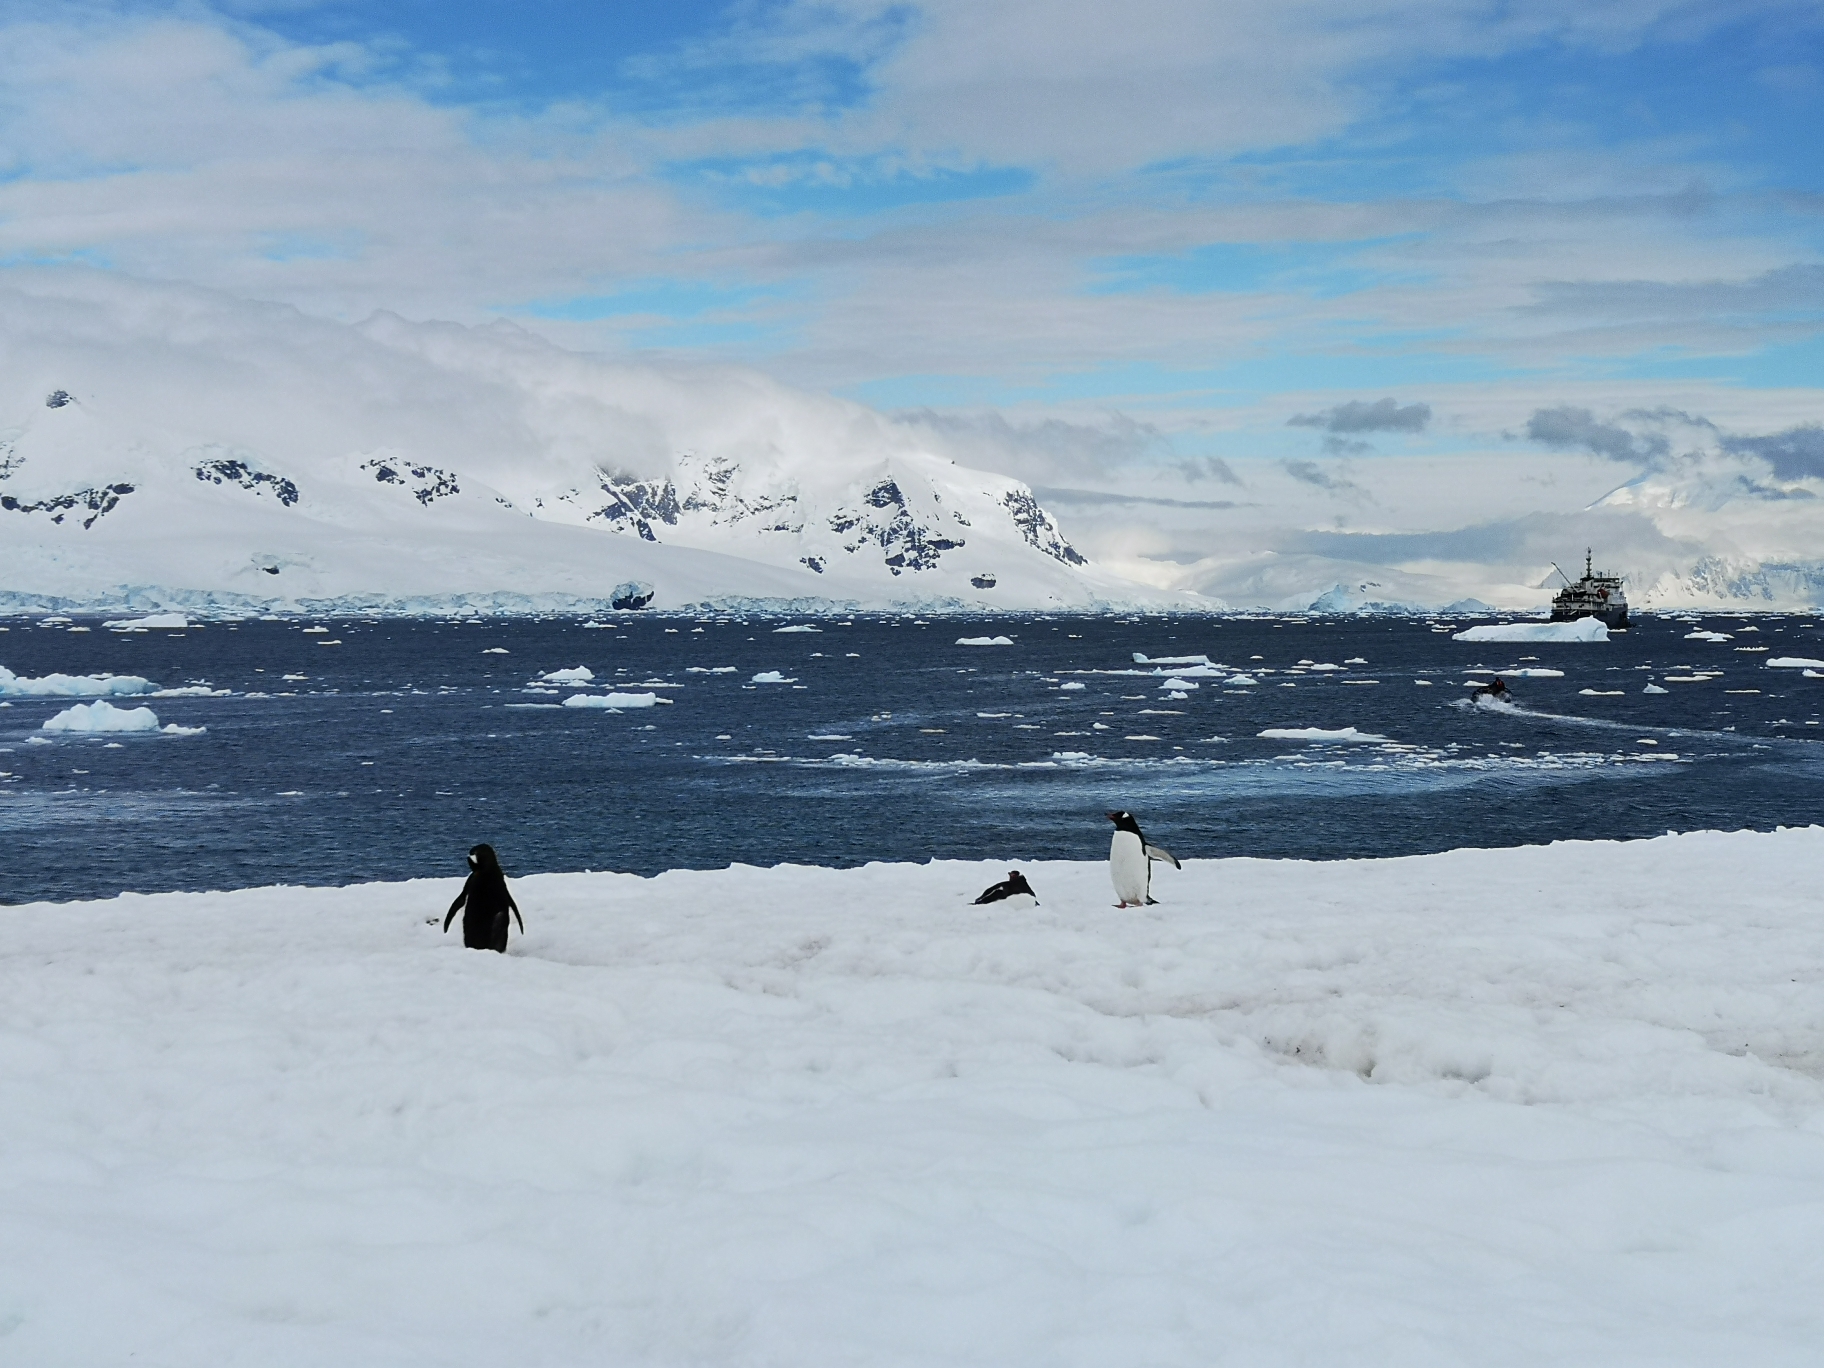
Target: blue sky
1206,216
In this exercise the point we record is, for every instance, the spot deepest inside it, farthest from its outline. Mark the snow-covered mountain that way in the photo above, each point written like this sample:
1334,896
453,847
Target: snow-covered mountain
235,450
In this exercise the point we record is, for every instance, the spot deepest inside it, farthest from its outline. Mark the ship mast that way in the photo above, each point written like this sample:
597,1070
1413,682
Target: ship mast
1587,553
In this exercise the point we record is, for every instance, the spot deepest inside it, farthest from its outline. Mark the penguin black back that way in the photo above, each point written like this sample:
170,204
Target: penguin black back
487,902
1013,886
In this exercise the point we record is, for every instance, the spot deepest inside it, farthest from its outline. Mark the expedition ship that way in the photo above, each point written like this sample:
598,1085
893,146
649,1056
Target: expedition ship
1597,596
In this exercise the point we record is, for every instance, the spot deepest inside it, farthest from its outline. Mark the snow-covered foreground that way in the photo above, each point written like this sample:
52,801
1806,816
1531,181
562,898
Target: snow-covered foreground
1551,1105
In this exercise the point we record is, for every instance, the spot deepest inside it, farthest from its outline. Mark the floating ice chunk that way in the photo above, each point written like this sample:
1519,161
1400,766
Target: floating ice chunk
1654,688
1322,669
1140,658
771,677
172,729
153,620
829,736
1583,629
1241,680
1813,674
1777,663
1701,635
709,669
1317,734
1603,693
101,716
614,700
1531,672
796,627
72,686
316,631
1072,685
501,650
192,691
1071,755
576,674
1356,660
984,641
1179,684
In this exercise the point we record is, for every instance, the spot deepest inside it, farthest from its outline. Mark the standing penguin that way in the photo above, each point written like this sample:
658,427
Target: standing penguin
1014,891
484,925
1130,861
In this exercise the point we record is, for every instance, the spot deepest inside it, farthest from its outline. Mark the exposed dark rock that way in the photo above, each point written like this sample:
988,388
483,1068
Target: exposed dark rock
235,472
99,503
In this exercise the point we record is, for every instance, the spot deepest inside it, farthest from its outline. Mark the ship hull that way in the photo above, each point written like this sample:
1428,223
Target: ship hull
1613,615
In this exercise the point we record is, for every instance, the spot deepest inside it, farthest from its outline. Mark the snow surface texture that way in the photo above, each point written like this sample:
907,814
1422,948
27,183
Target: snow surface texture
1536,1106
1583,629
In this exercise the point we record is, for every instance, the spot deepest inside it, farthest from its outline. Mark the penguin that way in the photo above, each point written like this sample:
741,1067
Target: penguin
1130,861
484,924
1013,891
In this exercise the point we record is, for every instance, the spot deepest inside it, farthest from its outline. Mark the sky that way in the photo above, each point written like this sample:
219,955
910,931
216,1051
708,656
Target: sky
1175,234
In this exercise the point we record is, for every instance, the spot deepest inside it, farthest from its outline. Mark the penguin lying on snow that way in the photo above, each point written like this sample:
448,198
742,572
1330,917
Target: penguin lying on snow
484,925
1130,861
1013,891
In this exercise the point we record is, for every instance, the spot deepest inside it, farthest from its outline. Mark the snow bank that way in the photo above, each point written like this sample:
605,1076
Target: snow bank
1583,629
150,620
1317,734
1794,663
101,716
984,641
614,700
72,686
1555,1105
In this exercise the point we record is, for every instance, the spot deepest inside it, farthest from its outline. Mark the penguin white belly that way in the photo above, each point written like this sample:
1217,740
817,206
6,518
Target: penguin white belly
1128,867
1015,900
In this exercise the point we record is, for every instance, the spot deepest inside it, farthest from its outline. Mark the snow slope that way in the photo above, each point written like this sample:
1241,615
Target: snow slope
201,444
1551,1105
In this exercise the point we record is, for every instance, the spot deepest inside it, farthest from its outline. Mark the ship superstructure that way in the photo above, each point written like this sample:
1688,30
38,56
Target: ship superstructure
1598,594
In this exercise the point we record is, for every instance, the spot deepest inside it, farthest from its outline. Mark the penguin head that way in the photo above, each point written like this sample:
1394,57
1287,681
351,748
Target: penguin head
1017,882
482,859
1124,821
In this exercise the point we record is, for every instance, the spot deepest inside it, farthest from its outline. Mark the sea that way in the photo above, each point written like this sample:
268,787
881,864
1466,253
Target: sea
345,750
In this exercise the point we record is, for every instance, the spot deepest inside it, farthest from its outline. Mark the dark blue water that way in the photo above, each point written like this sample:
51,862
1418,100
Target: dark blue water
387,755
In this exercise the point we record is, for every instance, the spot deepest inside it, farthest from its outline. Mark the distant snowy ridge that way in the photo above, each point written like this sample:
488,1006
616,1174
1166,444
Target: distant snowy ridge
218,454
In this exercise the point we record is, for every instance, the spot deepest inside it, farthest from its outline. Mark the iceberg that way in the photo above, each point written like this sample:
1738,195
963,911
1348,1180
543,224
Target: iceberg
576,674
1583,629
771,677
100,716
1180,684
984,641
150,620
72,686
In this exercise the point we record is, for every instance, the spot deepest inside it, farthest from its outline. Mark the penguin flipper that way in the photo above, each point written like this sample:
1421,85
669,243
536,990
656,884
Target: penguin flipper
1154,852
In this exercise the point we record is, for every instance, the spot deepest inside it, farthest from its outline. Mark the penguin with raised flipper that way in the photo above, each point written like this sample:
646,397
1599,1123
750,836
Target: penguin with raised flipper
484,923
1130,861
1013,891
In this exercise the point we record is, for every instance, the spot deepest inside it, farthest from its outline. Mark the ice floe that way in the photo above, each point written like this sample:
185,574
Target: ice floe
1141,658
1786,663
1180,684
616,701
1583,629
984,641
771,677
72,686
797,627
1318,734
576,674
1701,635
